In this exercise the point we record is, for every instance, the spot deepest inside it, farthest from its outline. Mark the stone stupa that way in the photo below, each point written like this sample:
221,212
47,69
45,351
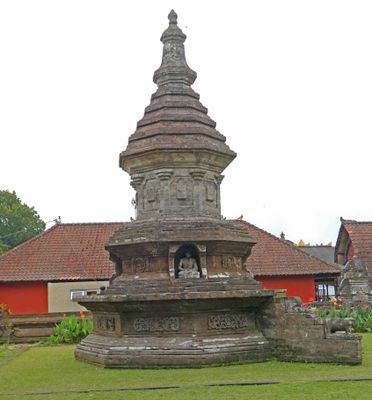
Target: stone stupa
182,293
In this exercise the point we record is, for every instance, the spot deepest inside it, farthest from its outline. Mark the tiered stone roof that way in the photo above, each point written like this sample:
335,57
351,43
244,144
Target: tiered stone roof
175,120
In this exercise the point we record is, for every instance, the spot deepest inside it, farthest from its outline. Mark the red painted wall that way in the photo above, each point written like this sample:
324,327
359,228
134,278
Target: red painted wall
350,252
301,286
25,297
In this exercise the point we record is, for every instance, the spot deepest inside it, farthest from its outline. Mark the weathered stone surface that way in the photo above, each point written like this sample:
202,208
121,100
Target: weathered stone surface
180,324
355,285
181,351
146,249
162,309
297,335
176,156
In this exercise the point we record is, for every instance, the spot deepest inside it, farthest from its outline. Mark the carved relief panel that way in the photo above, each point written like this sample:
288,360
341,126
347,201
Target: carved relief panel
231,263
211,193
136,265
182,191
151,194
230,321
166,324
106,323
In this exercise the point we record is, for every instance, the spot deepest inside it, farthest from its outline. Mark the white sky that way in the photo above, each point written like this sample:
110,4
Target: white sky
288,82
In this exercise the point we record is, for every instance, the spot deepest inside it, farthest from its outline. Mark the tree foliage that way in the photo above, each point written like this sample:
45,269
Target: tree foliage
18,221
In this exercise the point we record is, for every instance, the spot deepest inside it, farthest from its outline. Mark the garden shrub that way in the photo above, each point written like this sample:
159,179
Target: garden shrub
71,330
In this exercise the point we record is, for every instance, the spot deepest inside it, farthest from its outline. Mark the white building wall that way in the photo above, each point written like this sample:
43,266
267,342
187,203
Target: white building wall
59,294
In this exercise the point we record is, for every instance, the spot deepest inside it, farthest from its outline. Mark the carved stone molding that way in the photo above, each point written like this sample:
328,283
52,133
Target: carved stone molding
228,321
219,178
201,247
197,175
167,324
165,174
136,181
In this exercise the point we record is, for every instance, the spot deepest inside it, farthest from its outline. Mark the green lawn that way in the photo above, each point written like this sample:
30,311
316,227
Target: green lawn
5,352
53,369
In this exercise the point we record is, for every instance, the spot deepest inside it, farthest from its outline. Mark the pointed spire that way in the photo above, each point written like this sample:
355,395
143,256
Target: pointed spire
172,16
174,68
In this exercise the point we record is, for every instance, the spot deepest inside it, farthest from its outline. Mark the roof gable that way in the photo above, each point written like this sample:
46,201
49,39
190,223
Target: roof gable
63,252
360,234
272,256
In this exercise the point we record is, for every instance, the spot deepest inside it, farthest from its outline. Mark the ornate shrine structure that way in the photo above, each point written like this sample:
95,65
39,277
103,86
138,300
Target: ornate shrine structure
182,293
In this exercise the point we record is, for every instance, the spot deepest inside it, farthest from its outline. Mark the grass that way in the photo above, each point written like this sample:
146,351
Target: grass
53,369
307,391
5,352
9,350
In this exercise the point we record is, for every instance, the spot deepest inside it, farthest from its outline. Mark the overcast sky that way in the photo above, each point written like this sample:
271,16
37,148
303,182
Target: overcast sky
289,84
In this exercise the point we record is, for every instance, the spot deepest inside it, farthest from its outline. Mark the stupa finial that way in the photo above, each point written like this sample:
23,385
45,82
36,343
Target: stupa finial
174,68
172,16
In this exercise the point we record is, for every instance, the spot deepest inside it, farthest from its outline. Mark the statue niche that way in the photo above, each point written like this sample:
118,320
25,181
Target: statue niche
187,262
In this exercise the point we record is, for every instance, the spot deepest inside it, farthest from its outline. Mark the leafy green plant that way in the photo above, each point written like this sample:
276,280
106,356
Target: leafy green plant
362,314
71,330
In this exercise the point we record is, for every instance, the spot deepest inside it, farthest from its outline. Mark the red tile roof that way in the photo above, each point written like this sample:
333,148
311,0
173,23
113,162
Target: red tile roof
360,234
76,252
63,252
272,256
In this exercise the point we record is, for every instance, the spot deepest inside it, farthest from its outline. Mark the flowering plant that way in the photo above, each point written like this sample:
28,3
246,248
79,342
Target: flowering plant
362,313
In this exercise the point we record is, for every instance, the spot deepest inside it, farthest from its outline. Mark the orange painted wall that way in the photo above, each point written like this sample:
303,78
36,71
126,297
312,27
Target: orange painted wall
301,286
25,297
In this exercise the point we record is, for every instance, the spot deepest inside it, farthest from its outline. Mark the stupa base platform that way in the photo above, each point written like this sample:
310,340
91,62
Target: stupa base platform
182,328
171,352
183,323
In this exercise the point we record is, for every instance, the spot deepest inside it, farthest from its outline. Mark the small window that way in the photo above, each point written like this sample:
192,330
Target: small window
82,293
76,293
325,291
